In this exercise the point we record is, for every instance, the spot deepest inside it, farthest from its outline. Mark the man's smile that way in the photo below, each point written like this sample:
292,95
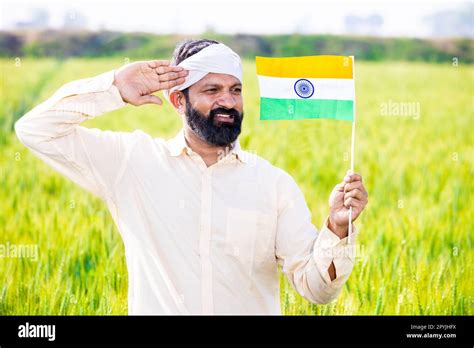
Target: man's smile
224,118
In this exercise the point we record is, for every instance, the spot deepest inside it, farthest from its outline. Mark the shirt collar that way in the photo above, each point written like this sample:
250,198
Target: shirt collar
178,145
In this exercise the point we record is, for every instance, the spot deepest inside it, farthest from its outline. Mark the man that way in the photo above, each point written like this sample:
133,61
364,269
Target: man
204,223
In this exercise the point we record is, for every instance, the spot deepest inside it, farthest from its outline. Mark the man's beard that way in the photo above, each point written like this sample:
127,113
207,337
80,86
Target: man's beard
211,131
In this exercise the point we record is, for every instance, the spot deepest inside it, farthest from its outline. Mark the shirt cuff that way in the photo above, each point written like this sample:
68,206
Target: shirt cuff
330,248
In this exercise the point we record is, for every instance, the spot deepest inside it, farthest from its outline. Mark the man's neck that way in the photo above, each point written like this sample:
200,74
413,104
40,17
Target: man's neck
209,153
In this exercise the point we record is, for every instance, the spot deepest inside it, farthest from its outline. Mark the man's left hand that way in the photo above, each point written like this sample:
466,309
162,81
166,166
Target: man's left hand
349,193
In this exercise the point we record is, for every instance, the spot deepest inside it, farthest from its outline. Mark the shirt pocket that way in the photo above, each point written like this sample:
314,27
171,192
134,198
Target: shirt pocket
249,238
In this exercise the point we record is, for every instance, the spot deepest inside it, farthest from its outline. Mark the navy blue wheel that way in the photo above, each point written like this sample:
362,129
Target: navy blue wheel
304,88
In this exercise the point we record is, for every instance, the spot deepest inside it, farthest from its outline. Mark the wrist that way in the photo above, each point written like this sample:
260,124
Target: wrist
340,231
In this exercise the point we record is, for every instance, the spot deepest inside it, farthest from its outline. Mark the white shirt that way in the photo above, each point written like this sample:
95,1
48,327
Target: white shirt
198,239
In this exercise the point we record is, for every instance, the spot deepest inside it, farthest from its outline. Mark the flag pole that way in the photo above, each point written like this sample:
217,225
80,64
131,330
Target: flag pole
349,239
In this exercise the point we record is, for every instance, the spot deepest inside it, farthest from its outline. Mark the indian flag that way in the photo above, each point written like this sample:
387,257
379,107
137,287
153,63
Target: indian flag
294,88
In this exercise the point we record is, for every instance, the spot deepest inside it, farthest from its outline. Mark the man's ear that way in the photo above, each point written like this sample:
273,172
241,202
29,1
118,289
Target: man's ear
179,101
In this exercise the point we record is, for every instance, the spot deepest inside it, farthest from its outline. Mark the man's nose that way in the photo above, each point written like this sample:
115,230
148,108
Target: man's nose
227,100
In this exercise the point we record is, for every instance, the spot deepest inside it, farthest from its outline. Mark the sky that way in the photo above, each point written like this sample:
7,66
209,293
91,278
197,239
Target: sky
400,18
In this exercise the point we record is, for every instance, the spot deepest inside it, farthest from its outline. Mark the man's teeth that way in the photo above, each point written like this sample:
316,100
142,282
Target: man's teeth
223,115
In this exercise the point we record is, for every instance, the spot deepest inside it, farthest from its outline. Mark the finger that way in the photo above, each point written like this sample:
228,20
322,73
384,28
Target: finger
157,63
150,99
353,177
172,75
353,202
356,193
166,69
160,83
353,185
171,84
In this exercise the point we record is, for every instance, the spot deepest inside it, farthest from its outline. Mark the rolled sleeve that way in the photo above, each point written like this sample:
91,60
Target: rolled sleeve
304,253
53,133
330,248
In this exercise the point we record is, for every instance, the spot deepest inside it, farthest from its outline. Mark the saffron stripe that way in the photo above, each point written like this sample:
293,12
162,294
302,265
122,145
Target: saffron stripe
306,67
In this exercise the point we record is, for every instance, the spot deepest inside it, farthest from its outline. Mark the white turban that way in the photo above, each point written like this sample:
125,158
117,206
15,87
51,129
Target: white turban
216,58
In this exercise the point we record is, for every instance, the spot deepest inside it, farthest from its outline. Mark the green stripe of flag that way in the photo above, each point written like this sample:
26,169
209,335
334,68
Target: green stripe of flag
298,109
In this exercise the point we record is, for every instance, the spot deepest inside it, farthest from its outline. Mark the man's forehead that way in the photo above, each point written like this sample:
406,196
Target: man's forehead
218,79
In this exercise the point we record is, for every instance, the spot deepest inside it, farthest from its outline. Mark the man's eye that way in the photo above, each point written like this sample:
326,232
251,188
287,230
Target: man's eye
211,90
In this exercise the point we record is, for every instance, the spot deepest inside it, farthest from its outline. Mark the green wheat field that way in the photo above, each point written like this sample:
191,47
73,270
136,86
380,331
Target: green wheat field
416,234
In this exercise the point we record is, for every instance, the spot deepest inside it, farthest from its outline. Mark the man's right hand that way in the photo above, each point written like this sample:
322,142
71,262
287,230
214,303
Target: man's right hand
137,81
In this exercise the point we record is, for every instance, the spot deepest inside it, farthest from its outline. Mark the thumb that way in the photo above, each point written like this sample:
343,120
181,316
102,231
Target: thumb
340,187
150,99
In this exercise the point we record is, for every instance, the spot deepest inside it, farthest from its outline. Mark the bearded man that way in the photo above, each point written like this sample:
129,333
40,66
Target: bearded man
204,223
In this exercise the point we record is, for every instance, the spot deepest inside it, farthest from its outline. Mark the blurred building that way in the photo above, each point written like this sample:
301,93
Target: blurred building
39,20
